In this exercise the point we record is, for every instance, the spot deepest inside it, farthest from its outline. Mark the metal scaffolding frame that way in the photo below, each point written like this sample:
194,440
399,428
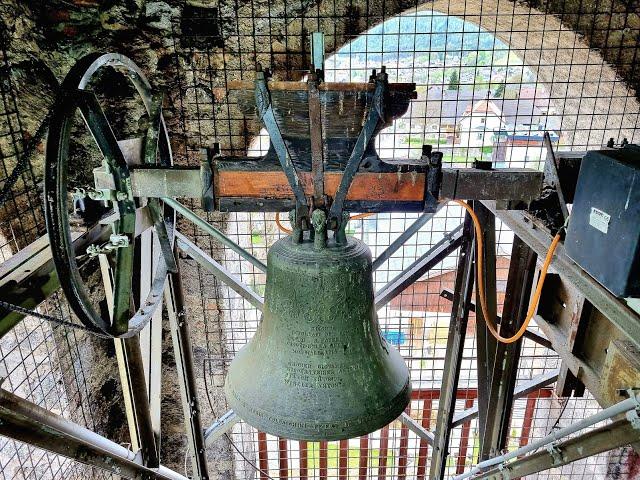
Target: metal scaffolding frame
26,422
497,364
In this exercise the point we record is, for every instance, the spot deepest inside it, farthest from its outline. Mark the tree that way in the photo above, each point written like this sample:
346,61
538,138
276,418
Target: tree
454,80
499,91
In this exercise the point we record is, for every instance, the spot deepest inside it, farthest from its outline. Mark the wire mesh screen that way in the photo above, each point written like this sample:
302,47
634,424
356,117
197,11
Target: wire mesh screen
47,364
491,78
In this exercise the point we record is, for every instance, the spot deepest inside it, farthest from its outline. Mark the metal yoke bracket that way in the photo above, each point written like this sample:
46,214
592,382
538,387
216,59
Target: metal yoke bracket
633,415
505,471
433,180
374,117
265,113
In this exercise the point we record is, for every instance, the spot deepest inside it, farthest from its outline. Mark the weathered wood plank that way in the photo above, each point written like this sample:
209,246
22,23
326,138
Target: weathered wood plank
365,186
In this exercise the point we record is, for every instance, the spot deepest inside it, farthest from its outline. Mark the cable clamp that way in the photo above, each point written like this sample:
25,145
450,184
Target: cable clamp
634,418
115,241
505,471
556,453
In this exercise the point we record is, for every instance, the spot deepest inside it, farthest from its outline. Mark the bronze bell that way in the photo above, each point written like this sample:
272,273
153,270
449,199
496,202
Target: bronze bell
318,367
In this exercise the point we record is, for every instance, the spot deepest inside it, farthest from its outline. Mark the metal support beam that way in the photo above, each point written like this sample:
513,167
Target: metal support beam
27,422
136,390
29,276
596,377
264,109
375,117
220,272
416,428
221,426
503,371
486,344
582,311
183,354
151,334
455,347
251,184
539,239
214,232
134,383
404,236
628,407
317,50
591,443
413,272
315,135
520,391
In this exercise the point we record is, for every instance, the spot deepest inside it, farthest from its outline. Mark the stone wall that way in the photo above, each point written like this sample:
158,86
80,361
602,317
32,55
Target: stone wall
44,39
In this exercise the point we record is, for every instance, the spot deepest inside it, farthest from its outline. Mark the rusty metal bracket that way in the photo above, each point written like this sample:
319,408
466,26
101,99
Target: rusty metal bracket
433,180
374,117
552,177
266,114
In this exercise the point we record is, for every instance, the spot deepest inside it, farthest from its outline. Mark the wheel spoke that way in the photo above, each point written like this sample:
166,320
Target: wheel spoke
98,125
122,276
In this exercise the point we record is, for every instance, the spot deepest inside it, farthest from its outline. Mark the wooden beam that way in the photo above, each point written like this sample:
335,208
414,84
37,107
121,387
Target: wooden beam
365,186
256,179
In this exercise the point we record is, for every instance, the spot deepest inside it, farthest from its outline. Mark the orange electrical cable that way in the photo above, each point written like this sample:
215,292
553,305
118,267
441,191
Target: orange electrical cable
359,216
280,226
480,269
288,230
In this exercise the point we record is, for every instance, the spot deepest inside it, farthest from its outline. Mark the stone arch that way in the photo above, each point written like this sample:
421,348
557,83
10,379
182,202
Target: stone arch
593,101
593,98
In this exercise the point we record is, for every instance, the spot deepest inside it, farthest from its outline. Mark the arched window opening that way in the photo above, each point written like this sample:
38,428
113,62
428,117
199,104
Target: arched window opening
478,99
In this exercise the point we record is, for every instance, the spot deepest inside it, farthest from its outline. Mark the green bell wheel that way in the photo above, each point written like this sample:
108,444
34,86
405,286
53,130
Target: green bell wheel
116,219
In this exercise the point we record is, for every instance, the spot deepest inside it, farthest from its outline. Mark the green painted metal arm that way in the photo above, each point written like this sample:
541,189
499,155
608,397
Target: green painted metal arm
29,277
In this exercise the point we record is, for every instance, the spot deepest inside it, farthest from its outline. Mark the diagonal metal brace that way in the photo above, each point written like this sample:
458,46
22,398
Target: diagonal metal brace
374,117
265,113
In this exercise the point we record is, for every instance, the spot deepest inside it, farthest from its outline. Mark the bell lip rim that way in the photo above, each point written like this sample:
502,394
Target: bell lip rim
393,414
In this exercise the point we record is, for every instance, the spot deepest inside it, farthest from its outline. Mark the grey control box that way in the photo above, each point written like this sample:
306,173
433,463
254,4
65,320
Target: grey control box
604,229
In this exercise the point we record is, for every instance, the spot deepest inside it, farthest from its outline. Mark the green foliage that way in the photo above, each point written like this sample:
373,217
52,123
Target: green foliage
436,140
499,91
257,238
333,457
413,141
465,159
454,80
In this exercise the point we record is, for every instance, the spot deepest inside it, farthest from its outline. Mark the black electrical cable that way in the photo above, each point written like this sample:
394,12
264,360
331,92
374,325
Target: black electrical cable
30,145
213,411
555,425
23,160
48,318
